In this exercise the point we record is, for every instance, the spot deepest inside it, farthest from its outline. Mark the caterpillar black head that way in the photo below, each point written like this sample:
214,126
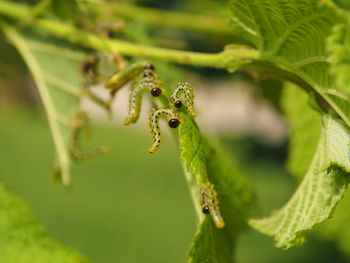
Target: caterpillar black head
206,210
210,203
178,104
183,95
156,92
149,66
173,123
147,74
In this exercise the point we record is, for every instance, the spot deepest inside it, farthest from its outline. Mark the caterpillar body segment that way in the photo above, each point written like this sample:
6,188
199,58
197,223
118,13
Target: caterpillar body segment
135,101
210,203
173,121
148,81
183,94
119,79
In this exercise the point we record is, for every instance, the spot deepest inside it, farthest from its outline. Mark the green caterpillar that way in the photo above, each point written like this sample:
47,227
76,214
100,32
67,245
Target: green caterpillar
173,122
177,100
146,80
210,203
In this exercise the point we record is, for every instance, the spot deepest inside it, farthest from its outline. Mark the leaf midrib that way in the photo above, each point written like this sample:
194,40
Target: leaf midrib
38,75
258,4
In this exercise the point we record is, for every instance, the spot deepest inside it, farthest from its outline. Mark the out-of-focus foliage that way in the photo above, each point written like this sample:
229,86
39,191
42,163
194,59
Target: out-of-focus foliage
271,89
304,129
343,4
65,9
24,239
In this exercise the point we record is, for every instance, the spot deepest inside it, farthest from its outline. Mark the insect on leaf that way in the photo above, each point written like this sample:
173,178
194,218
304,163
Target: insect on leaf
203,162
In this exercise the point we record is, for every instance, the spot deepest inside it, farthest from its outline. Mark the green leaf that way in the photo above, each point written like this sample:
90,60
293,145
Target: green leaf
338,230
340,103
23,239
286,31
304,129
320,191
338,47
343,4
203,162
210,245
56,74
292,37
271,89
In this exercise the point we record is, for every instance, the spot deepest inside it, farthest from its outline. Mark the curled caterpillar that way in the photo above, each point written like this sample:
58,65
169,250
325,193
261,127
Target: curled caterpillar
183,95
148,81
175,99
173,122
210,203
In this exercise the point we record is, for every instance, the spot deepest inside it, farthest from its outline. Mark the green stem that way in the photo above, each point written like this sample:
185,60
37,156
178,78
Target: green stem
163,18
231,58
23,14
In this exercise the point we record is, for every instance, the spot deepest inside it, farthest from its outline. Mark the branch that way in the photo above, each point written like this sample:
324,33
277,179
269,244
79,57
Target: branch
23,14
231,58
163,18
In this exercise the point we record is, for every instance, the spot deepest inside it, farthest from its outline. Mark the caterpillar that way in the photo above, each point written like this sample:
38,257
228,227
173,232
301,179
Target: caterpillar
210,203
177,100
146,80
149,81
173,122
